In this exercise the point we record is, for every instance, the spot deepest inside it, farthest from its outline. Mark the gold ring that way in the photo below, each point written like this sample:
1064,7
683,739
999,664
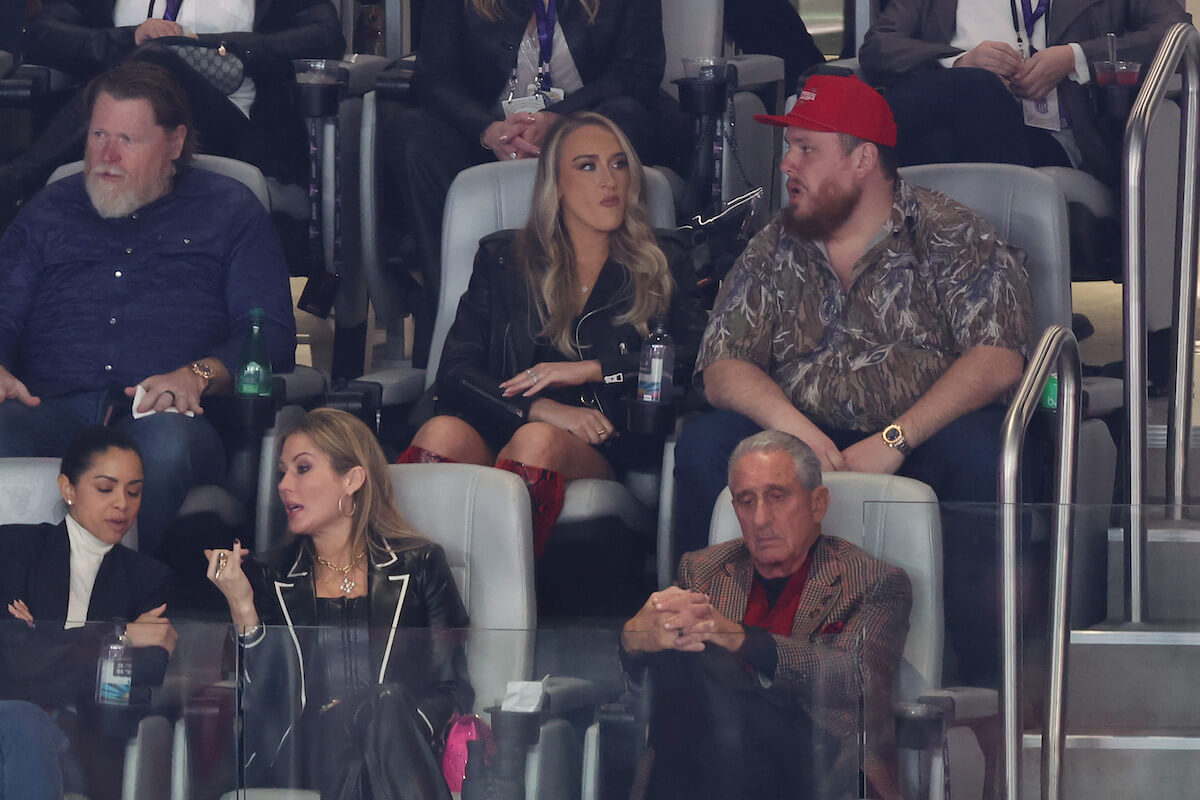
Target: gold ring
222,560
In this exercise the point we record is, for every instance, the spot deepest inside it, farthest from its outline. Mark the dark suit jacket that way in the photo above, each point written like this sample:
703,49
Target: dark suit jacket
417,626
51,666
846,641
78,37
911,35
465,60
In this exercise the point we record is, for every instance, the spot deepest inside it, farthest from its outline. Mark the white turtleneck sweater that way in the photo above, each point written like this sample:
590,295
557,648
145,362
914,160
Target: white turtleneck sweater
86,554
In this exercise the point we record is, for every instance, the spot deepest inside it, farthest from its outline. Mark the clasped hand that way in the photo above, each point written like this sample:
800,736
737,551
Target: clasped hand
679,619
518,136
1033,78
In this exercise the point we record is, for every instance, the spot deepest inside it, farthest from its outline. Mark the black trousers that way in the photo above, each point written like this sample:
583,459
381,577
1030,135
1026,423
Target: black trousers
718,733
773,27
372,747
965,115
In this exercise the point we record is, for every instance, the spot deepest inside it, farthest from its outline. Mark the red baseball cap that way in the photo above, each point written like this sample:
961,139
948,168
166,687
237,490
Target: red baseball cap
839,104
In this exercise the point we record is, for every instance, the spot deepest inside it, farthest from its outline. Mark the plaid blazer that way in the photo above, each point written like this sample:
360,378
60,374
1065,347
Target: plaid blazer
846,640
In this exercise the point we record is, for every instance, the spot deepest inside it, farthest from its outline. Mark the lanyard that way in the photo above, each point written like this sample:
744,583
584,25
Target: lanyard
171,12
547,18
1032,15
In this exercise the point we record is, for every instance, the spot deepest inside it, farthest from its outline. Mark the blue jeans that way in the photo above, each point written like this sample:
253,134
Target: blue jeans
960,463
31,747
178,452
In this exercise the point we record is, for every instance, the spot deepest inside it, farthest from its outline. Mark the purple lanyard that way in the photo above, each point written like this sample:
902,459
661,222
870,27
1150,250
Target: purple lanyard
171,12
1032,15
547,18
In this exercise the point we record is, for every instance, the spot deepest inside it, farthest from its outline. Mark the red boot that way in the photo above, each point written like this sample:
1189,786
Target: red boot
546,491
419,455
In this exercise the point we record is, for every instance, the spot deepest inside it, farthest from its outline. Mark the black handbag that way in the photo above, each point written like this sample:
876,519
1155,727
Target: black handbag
219,62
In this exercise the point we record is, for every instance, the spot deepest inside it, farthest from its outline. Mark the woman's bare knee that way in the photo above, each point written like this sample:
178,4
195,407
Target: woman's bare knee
537,444
453,438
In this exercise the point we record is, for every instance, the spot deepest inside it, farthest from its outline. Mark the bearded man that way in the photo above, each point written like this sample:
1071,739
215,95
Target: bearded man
139,273
878,322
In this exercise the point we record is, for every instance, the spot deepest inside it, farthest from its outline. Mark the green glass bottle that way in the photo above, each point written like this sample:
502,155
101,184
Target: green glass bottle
254,367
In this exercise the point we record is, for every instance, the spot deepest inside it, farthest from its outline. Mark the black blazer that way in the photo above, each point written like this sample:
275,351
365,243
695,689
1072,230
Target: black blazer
417,626
465,60
51,666
492,337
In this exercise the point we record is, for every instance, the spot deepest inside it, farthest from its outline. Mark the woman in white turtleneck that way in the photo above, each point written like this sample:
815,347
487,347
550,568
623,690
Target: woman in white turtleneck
54,578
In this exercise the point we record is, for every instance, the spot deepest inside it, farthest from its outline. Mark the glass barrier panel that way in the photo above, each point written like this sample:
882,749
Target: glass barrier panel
91,713
568,711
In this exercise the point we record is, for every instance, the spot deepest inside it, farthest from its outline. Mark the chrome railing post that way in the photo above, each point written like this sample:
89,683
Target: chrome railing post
1057,350
1182,42
1184,312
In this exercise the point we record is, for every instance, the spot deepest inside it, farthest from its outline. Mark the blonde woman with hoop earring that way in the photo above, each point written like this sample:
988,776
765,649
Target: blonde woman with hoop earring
364,609
548,336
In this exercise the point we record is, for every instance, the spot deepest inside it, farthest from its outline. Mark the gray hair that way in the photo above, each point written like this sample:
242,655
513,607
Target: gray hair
808,466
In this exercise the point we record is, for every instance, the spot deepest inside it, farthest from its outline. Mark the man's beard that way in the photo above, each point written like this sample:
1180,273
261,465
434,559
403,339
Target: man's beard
112,200
832,209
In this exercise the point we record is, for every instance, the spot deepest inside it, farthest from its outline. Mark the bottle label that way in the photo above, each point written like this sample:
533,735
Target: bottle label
650,382
116,679
253,380
1050,393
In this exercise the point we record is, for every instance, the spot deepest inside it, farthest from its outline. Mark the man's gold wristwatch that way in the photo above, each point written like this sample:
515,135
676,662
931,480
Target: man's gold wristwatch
893,437
204,371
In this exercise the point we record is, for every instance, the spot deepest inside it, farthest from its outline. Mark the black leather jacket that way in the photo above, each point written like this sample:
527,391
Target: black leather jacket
492,338
465,60
417,629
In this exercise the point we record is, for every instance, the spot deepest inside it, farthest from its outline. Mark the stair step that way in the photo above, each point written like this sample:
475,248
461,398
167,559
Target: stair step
1172,562
1120,765
1133,677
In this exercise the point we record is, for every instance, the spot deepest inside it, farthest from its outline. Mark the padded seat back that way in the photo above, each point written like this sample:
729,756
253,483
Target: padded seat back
896,520
690,28
481,517
29,491
495,197
239,170
1028,210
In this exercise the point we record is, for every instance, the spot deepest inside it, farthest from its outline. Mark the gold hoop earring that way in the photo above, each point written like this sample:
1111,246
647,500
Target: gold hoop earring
353,505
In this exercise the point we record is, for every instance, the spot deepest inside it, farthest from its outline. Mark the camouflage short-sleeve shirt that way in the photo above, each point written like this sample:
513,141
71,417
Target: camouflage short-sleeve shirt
937,283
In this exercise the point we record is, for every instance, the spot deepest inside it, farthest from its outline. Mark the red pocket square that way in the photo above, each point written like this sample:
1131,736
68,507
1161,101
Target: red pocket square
833,627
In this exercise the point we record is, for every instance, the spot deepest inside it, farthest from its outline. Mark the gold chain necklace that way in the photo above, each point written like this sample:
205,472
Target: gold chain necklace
348,583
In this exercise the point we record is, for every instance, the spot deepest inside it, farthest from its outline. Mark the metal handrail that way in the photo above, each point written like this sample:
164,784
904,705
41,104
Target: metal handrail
1181,44
1056,351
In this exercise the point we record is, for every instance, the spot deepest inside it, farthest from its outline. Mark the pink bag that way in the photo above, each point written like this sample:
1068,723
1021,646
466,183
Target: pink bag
463,728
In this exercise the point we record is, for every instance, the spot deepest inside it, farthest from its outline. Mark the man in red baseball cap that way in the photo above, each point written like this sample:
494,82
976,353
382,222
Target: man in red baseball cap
880,323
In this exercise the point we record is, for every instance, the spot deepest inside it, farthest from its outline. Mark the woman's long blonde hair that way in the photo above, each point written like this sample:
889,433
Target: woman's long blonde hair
494,9
375,523
545,253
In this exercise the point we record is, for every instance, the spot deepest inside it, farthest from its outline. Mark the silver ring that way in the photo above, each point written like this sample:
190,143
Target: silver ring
535,377
513,154
222,560
529,372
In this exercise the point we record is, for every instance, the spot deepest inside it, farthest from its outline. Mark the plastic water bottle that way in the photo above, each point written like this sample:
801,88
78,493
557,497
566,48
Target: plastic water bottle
658,364
253,377
114,670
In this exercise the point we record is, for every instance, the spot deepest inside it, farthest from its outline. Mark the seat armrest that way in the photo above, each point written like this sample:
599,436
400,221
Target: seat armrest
756,69
6,62
564,695
920,726
962,703
363,69
395,83
30,82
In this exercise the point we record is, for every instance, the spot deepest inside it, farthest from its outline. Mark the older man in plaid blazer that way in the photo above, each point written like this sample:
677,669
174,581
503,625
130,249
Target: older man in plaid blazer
762,656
